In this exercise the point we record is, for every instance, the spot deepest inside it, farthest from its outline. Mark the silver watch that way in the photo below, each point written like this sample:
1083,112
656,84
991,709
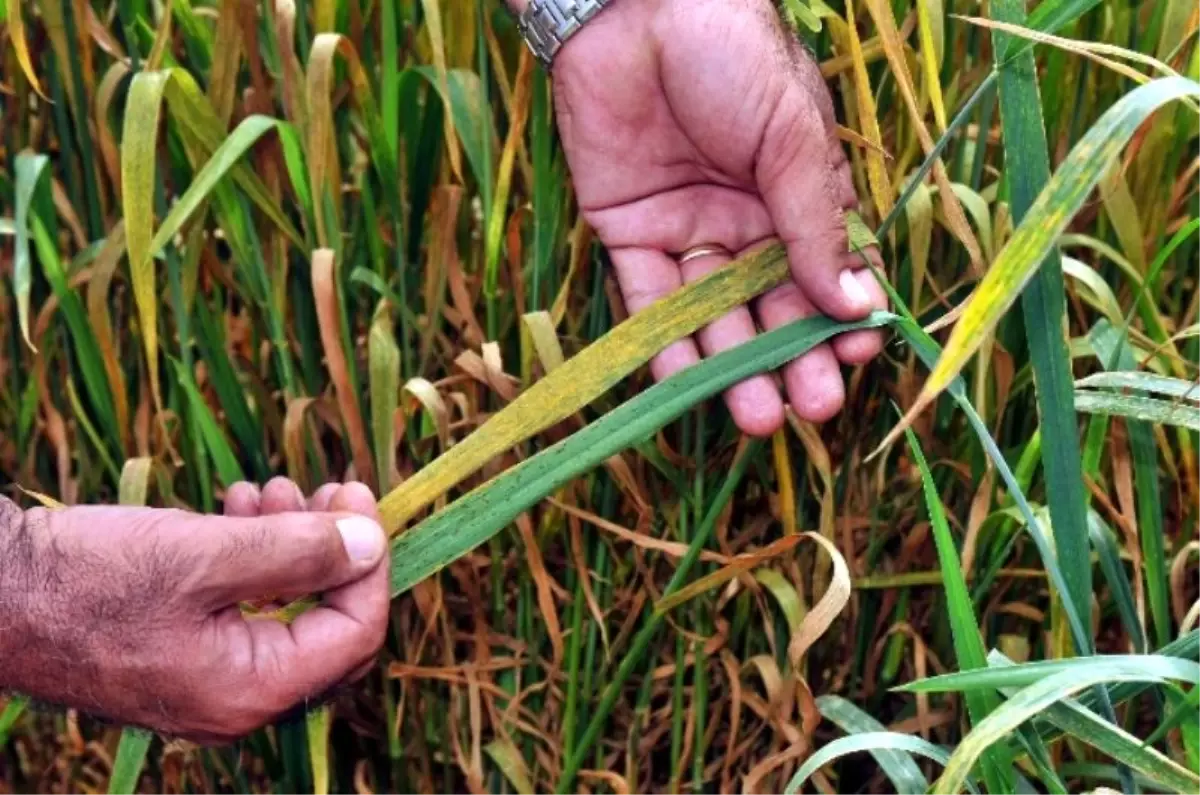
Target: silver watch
546,24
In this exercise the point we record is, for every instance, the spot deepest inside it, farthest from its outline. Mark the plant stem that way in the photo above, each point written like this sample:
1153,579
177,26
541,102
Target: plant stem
650,628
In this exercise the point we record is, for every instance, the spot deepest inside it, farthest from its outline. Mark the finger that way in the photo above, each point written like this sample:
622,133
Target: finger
282,495
644,276
364,600
813,382
806,194
242,499
354,497
285,555
754,403
339,640
329,644
860,347
319,501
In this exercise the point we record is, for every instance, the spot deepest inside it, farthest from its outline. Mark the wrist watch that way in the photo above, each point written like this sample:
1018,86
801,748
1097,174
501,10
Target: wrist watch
547,24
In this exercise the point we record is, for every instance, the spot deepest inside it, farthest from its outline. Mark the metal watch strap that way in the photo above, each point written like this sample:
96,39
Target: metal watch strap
547,24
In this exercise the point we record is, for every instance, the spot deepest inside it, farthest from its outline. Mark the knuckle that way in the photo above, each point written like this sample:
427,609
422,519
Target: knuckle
317,551
796,127
794,141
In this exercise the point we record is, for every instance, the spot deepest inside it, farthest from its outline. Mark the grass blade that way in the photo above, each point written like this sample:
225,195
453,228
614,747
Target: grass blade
584,377
29,168
968,643
899,767
1027,674
1114,741
226,156
1143,382
1047,217
1037,697
127,766
1109,555
228,468
1159,412
471,520
13,709
1110,347
878,744
1027,163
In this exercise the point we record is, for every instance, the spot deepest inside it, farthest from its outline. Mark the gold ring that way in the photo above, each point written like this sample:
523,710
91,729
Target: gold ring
703,251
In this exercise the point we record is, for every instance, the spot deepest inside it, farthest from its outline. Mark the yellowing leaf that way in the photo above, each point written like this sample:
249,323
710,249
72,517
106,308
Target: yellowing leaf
540,328
135,481
511,764
881,12
16,35
929,20
139,144
317,723
383,363
877,177
1045,221
324,169
437,43
329,321
580,380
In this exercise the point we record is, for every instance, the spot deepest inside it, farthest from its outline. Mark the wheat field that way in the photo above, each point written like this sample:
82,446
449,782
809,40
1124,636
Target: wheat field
334,239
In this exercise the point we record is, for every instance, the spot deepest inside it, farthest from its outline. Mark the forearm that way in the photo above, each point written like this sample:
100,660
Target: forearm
11,528
52,636
19,587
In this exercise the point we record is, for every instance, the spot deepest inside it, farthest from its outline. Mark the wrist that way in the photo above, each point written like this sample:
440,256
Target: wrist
552,27
17,593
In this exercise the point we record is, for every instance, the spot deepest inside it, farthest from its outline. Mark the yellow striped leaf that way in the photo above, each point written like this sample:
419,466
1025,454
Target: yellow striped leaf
1038,233
139,143
583,378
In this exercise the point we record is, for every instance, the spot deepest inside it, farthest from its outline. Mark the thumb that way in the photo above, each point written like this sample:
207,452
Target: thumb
804,179
283,555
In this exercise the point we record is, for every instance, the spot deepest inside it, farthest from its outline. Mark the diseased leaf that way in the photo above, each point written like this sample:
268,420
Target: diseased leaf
1159,412
1047,218
586,376
471,520
1143,382
511,764
16,36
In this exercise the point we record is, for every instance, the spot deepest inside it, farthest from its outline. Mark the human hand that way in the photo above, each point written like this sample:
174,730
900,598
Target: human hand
692,122
131,614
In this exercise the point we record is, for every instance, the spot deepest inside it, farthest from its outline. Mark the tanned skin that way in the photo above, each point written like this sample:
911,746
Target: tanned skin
132,615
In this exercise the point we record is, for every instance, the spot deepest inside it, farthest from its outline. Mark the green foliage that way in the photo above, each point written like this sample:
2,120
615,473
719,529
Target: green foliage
598,588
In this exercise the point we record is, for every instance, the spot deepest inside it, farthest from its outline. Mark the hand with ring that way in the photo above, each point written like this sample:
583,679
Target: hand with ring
696,130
